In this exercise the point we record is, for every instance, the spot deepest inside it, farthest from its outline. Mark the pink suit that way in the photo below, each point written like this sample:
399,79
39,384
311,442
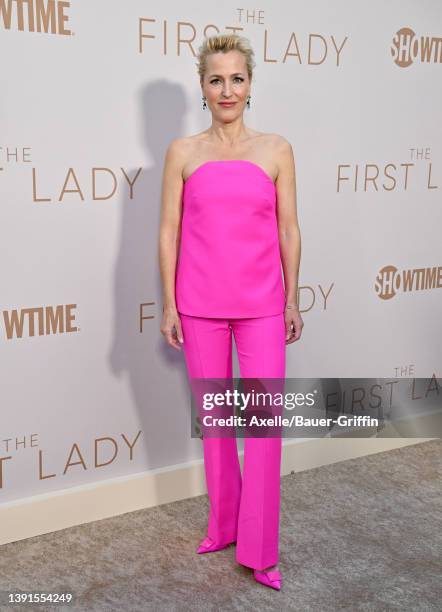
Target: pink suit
229,280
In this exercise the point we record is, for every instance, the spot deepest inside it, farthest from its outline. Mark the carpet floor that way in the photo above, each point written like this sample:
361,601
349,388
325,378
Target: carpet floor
358,535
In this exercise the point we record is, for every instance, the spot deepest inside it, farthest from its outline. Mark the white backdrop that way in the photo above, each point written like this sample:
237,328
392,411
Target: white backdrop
89,107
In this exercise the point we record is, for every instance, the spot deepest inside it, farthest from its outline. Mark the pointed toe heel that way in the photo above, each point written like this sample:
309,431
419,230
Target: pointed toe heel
208,545
271,579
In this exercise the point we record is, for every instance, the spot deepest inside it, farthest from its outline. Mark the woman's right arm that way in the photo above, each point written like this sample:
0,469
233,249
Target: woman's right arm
169,240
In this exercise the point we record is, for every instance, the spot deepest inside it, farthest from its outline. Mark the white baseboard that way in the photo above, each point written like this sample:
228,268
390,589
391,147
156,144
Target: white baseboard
26,518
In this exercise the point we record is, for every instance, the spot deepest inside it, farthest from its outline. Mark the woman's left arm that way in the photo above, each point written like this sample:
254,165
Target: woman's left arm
289,237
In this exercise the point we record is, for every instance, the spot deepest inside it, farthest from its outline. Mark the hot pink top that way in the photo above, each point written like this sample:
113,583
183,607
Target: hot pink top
229,264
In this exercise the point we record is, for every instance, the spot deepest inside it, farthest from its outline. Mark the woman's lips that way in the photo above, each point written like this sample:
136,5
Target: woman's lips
227,104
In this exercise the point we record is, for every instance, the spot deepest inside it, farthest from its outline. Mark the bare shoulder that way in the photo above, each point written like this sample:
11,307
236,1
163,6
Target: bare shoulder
280,144
181,149
178,147
280,148
281,151
175,157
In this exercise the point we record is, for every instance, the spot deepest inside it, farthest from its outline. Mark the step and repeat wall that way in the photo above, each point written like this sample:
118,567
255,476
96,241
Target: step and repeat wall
92,93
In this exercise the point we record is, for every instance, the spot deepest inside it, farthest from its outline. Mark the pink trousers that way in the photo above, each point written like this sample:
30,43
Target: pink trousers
243,508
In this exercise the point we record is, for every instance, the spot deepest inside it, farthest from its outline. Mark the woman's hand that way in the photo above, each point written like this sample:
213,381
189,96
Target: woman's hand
293,323
171,328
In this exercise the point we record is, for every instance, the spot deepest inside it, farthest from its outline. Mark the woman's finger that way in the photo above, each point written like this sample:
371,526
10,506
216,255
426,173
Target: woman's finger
171,339
179,331
175,342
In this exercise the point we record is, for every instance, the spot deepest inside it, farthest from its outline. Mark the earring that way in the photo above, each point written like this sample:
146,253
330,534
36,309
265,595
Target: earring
204,102
248,101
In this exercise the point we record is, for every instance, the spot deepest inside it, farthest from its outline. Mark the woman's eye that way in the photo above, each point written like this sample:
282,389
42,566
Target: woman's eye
240,79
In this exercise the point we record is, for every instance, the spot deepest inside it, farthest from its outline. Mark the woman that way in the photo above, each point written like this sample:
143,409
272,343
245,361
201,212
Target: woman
228,220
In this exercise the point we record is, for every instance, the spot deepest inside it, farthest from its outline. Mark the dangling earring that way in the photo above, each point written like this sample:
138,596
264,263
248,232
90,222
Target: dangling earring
248,101
204,102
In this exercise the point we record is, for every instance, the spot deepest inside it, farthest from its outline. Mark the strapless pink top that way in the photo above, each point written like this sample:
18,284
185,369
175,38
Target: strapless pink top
229,263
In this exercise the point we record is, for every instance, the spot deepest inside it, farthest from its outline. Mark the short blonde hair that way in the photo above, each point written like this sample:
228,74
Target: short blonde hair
224,43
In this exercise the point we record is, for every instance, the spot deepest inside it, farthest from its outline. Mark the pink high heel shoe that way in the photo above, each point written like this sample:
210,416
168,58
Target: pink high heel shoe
271,579
208,545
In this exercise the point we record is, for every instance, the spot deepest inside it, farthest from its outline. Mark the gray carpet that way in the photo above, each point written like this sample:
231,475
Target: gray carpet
363,534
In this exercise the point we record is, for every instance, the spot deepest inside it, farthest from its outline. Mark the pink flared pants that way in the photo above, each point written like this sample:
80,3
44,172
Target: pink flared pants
243,508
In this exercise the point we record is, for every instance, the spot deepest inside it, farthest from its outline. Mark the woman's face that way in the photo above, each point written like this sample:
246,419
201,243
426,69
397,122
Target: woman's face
226,80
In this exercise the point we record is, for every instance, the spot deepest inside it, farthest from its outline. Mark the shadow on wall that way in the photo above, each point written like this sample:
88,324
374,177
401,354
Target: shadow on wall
156,372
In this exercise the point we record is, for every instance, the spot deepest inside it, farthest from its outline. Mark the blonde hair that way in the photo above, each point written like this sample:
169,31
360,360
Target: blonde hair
224,43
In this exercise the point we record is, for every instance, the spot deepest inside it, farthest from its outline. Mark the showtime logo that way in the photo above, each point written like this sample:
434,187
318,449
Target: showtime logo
407,48
48,16
40,321
390,280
